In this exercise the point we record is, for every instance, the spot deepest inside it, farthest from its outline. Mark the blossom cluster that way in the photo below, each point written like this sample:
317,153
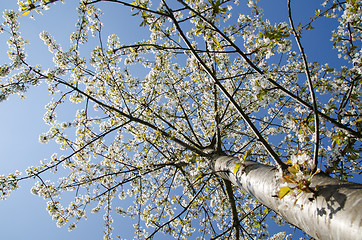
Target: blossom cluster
8,184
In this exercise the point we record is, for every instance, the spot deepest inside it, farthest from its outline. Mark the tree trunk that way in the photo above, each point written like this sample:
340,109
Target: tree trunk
334,212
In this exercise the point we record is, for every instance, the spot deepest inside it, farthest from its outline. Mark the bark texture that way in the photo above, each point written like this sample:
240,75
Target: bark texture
334,212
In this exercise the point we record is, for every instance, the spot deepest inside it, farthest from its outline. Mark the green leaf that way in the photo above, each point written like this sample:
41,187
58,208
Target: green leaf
283,191
293,169
260,96
199,176
358,119
216,41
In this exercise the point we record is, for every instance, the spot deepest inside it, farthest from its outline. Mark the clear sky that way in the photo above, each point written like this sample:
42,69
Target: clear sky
23,216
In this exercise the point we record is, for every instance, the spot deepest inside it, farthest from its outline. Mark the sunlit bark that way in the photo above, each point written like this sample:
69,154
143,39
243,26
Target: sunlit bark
334,212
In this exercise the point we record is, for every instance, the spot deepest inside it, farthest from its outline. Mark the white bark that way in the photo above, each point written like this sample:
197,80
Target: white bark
334,213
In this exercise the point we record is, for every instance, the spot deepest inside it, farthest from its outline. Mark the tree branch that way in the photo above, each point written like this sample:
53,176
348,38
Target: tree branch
230,194
246,118
260,72
311,90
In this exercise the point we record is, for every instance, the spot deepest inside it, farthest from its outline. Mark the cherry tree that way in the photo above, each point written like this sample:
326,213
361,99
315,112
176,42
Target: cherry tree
212,124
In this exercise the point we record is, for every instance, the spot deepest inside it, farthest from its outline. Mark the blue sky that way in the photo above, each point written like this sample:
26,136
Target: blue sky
24,215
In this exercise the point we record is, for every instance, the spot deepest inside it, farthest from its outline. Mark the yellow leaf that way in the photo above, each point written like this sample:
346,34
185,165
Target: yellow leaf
236,168
288,161
289,179
21,3
23,6
25,13
283,191
247,153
